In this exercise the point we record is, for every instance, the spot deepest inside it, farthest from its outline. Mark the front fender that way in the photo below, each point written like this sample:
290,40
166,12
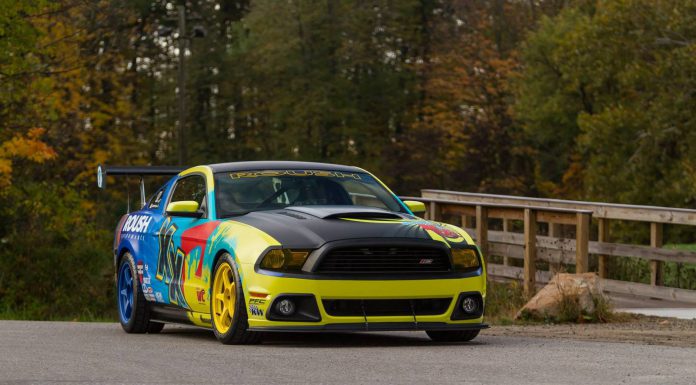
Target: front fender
244,242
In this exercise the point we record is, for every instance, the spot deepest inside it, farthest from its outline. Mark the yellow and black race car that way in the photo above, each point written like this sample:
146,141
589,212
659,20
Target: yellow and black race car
251,247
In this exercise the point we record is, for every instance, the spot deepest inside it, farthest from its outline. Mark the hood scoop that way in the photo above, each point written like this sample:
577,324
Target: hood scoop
357,212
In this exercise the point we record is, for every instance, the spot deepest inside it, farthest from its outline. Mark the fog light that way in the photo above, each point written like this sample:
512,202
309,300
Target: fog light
286,307
470,305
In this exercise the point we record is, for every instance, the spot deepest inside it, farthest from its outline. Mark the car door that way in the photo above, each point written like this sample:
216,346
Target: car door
182,246
149,250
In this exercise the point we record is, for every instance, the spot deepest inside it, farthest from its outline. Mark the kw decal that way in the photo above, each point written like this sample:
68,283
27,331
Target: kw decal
255,310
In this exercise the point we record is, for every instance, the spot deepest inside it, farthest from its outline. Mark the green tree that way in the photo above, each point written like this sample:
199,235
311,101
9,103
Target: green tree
607,96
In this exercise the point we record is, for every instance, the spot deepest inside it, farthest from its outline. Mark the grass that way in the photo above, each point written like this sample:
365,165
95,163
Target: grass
572,312
682,246
503,300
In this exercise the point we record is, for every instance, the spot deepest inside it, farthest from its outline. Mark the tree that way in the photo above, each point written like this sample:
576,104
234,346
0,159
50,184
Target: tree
607,95
462,136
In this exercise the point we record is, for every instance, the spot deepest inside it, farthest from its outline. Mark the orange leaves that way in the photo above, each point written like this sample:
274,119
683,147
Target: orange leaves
28,146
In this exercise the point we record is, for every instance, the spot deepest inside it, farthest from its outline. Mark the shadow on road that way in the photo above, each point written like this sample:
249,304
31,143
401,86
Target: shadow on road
329,340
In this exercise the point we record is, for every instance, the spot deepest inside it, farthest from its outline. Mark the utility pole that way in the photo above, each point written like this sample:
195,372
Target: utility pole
181,84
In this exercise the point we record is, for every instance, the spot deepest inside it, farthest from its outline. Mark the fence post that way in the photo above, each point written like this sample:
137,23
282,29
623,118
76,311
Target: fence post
582,242
506,228
555,231
529,252
656,267
482,230
467,222
433,212
603,236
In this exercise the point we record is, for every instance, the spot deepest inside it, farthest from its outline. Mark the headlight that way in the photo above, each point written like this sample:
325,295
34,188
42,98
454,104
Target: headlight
284,260
465,259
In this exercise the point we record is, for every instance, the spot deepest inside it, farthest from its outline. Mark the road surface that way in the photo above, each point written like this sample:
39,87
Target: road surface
66,352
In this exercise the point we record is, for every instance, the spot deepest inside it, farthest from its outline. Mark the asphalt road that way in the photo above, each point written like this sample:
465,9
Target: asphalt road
65,352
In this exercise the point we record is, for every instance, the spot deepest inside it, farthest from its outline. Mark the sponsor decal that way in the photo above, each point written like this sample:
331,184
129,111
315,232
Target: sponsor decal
200,295
158,296
439,230
137,224
255,310
139,268
272,173
257,301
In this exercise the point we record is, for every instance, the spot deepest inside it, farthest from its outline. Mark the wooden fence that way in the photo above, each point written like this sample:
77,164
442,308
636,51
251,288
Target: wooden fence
473,212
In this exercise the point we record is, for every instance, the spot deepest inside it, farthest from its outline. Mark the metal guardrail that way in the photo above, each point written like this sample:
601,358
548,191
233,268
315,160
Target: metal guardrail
553,248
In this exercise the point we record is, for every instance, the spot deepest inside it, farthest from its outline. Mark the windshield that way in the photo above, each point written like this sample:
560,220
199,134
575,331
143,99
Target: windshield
241,192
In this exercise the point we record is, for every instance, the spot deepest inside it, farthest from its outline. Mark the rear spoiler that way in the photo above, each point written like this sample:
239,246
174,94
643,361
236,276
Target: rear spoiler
139,171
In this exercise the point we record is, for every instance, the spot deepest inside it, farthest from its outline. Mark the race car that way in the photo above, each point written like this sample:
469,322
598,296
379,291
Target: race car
246,248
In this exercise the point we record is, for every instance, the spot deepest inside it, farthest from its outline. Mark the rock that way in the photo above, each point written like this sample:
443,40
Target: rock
578,289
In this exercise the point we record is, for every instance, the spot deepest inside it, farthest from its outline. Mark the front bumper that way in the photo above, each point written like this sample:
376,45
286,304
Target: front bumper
373,327
260,291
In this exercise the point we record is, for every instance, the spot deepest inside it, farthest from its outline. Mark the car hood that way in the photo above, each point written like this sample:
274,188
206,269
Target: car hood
313,226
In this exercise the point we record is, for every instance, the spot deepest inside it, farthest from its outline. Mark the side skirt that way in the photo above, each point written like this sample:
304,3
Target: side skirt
172,314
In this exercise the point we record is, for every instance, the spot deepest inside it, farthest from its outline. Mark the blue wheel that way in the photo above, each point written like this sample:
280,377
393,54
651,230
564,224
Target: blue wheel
125,293
133,309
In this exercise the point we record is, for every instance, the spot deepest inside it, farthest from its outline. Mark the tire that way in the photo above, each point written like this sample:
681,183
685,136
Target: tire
133,312
452,335
230,329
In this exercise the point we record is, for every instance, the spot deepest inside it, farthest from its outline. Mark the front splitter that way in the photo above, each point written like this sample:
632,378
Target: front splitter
372,327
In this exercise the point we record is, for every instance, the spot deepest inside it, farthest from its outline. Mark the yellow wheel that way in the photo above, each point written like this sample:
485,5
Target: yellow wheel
228,307
224,297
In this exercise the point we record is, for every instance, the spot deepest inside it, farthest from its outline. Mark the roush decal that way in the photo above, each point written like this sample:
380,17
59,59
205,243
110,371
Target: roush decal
137,224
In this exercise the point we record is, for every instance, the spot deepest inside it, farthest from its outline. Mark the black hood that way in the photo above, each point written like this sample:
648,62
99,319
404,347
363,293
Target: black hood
313,226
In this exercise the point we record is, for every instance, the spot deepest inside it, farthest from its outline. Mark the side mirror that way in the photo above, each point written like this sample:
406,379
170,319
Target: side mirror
417,208
184,209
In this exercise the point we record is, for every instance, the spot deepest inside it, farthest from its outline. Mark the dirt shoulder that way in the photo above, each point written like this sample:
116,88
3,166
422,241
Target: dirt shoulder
633,329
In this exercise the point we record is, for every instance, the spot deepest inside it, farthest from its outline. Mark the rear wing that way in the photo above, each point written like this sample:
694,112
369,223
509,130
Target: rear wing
139,171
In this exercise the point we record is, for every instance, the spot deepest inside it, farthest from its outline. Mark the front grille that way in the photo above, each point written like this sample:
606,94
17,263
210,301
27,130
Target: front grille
386,307
385,259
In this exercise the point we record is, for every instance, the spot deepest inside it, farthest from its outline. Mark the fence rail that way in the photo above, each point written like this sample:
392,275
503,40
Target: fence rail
475,210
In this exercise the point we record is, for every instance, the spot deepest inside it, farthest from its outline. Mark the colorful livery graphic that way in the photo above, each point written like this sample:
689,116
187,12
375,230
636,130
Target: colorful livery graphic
251,247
